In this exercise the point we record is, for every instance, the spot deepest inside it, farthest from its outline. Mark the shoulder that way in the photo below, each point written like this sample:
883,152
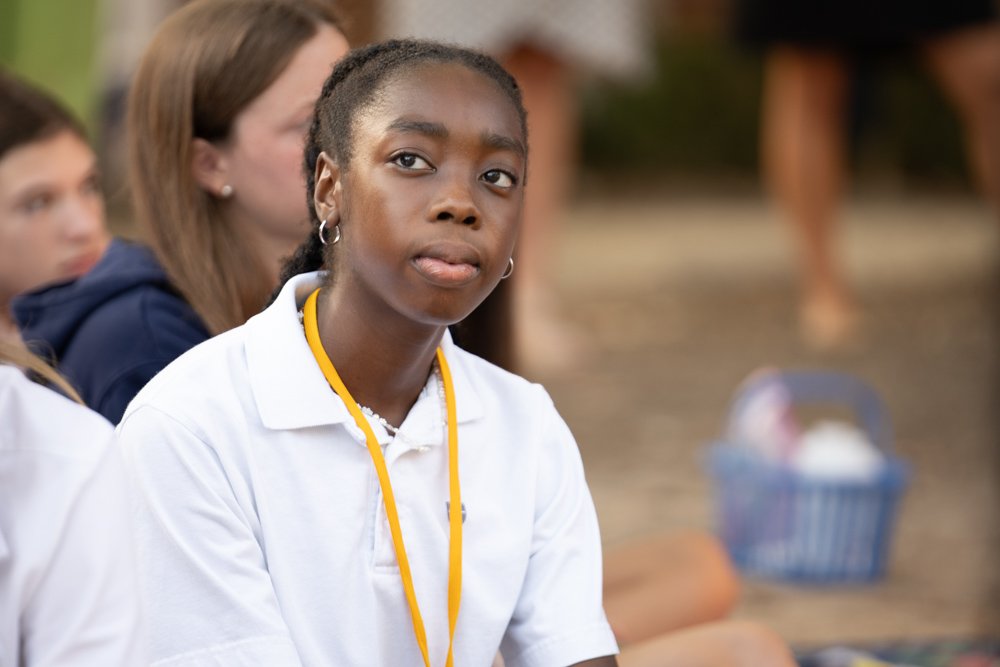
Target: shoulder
205,377
126,341
146,325
493,382
504,399
37,419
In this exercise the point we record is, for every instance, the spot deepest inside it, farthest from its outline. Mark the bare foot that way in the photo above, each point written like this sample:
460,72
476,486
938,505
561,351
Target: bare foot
828,322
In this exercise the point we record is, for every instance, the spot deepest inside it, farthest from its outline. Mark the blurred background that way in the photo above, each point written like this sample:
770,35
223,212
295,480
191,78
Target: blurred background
674,265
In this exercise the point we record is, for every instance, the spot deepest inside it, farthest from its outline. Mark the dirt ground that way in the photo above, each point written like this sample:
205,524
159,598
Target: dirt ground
682,300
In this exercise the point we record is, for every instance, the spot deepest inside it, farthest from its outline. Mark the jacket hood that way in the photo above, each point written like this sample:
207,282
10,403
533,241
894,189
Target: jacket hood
55,313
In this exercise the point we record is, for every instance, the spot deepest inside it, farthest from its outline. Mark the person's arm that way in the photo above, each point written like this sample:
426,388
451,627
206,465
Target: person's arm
208,592
85,609
559,618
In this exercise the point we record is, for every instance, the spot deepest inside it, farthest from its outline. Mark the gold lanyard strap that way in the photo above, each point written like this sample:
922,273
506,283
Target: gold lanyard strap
389,500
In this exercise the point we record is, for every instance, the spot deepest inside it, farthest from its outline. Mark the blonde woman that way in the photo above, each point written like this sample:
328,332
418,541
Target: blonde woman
68,584
218,112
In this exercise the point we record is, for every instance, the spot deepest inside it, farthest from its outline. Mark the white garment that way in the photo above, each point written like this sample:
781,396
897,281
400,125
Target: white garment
68,585
264,537
607,36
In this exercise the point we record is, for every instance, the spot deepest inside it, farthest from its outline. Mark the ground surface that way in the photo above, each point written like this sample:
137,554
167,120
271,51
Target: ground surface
682,300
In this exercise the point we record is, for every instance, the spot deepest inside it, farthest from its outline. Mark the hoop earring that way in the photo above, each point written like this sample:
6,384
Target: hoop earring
336,233
510,269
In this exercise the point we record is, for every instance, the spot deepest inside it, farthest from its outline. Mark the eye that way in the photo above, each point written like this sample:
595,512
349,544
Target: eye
500,178
92,186
411,161
37,203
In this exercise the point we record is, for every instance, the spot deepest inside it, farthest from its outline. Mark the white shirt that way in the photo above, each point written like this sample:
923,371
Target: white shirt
264,538
68,585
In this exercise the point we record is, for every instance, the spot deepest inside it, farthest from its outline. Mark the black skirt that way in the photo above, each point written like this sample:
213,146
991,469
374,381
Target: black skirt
850,24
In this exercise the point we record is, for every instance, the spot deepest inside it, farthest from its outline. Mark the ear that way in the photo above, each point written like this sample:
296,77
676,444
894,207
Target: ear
209,166
328,192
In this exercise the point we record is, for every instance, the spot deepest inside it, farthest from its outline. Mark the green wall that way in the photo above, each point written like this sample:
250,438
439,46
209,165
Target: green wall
52,43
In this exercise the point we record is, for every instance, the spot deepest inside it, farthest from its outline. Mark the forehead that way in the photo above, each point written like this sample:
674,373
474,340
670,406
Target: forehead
63,155
445,92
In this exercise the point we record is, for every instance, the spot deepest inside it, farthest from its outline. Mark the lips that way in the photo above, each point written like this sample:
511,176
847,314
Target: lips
80,265
447,264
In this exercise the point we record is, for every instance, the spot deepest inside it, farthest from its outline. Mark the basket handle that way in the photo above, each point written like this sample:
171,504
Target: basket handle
829,387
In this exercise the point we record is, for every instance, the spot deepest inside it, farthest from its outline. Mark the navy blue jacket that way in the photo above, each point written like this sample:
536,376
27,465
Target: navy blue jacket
113,329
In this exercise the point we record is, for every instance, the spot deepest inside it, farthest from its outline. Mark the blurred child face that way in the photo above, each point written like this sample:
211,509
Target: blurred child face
51,214
264,152
430,204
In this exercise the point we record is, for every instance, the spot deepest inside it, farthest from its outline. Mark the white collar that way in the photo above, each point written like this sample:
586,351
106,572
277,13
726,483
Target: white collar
288,386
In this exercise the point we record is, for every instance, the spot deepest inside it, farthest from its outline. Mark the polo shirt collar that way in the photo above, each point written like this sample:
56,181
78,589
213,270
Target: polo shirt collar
287,383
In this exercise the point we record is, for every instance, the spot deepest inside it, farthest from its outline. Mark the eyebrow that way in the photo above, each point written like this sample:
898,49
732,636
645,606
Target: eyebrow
502,142
439,131
436,130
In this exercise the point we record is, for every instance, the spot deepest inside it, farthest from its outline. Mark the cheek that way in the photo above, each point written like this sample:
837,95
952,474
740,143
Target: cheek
507,215
288,154
29,253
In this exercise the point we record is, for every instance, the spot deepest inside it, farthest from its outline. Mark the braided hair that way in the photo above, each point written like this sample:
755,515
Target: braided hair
352,86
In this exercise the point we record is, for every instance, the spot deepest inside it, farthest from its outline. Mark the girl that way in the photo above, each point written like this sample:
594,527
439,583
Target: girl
335,482
51,210
218,114
68,587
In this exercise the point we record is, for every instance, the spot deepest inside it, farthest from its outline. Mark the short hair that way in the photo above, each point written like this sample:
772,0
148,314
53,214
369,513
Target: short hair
28,114
352,86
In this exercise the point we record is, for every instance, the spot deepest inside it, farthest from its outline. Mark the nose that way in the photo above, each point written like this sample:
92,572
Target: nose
455,202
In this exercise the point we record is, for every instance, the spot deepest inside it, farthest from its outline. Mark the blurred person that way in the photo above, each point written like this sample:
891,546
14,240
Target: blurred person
810,49
218,113
69,592
51,210
217,116
669,599
546,45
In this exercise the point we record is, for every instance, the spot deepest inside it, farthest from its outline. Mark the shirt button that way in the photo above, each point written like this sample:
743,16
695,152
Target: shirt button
423,449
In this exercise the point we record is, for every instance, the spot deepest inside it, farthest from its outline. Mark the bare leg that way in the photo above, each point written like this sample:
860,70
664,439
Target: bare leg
802,147
549,97
666,583
967,65
722,644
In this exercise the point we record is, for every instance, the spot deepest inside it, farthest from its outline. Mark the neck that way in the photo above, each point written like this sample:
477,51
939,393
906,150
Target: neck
383,368
271,250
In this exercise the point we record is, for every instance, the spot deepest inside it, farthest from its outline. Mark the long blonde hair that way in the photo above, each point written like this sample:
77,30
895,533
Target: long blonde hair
18,355
205,64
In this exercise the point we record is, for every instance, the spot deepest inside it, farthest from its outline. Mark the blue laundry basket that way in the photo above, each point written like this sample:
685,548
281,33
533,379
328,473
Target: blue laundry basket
778,524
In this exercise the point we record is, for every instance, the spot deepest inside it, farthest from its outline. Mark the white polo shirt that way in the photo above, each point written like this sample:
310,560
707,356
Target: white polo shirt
69,593
264,539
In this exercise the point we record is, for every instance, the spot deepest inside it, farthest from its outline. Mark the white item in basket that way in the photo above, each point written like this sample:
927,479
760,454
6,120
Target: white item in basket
837,451
764,419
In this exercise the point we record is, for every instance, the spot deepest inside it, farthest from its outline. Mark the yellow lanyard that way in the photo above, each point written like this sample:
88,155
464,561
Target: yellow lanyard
454,493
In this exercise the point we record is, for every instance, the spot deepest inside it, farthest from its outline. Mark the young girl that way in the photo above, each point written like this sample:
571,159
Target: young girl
217,117
335,482
68,588
219,111
51,210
